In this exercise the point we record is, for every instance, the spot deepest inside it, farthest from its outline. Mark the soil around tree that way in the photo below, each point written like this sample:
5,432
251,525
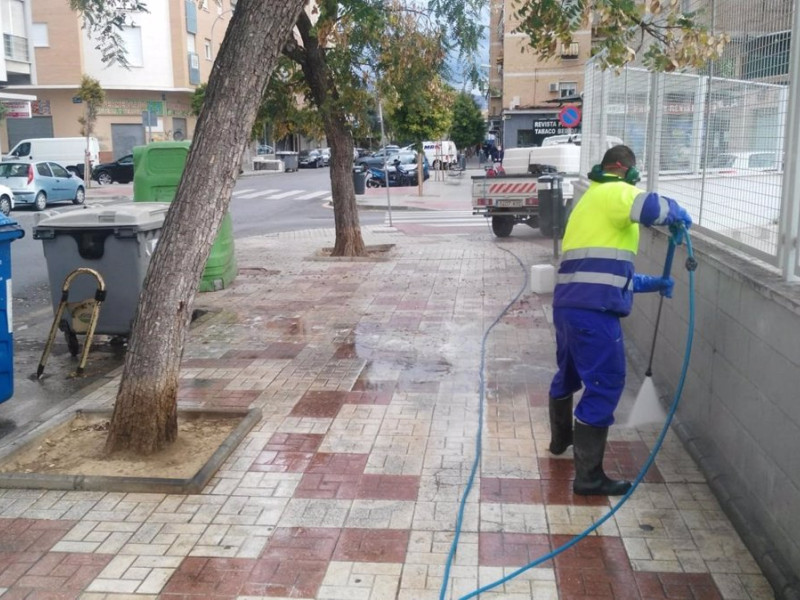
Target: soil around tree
77,448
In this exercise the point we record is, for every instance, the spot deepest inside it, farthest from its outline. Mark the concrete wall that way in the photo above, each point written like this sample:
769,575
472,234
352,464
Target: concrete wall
740,411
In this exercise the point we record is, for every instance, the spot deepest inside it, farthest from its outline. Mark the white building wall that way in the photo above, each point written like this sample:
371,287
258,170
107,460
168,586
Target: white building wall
156,70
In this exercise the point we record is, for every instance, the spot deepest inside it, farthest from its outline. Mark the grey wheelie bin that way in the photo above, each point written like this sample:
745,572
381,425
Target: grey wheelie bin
116,241
291,160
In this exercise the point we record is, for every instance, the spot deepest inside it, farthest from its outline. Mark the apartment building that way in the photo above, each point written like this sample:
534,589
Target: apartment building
526,92
15,61
170,51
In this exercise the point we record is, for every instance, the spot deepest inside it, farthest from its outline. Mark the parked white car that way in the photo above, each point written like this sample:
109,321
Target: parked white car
6,200
744,163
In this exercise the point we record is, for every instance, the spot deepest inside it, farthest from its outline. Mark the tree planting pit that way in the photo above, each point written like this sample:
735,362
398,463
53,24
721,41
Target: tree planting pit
67,454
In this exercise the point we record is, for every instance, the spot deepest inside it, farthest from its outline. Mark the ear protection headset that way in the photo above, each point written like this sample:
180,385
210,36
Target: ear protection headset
597,174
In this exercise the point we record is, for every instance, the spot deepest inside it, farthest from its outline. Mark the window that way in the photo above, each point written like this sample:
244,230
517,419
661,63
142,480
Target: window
191,44
43,170
58,170
525,138
13,18
39,35
132,42
23,149
203,4
207,46
567,89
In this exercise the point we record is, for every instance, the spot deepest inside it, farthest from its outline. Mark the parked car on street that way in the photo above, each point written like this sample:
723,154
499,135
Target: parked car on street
376,159
41,182
310,158
120,170
6,200
264,149
408,164
326,156
744,163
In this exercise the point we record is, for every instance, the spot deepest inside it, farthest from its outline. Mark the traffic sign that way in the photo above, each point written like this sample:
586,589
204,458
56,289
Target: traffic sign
570,116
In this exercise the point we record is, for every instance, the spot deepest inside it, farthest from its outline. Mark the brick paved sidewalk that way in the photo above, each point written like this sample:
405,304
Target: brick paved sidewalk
367,374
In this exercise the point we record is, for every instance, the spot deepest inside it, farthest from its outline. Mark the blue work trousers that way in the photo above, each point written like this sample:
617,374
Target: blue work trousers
590,353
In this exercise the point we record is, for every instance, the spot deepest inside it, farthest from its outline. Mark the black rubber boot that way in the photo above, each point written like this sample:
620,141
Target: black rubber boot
590,479
560,424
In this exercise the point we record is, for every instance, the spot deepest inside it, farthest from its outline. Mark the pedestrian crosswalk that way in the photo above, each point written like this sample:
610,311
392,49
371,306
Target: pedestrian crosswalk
277,194
435,218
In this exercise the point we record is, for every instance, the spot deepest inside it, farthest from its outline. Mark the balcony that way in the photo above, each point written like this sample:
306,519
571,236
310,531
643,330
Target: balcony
570,51
16,48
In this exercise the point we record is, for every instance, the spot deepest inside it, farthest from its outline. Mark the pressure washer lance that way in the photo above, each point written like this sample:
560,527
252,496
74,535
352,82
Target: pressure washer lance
647,407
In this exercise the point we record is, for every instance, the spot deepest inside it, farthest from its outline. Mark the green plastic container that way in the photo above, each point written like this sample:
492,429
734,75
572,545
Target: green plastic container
157,170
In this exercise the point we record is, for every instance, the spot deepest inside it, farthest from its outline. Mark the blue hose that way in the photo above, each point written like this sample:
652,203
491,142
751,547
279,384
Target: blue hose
677,236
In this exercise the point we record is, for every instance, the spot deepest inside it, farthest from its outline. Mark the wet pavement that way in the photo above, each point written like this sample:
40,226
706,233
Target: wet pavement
368,376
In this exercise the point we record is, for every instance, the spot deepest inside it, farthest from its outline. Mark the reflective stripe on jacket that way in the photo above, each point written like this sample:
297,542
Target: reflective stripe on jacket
600,244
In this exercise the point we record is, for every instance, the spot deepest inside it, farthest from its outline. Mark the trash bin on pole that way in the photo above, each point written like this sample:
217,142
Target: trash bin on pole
117,242
552,213
359,179
291,160
9,231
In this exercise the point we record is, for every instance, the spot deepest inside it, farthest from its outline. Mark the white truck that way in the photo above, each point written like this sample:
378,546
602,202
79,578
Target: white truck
514,197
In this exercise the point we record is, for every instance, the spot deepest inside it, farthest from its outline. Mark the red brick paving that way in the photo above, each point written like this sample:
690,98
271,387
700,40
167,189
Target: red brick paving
212,578
28,565
306,543
287,453
295,578
511,491
388,487
338,462
497,549
341,475
319,404
372,545
31,535
328,485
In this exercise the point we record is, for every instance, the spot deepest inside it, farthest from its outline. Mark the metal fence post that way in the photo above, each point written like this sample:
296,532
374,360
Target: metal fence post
789,226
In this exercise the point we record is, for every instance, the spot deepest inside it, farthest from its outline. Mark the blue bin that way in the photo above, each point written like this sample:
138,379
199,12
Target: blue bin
9,231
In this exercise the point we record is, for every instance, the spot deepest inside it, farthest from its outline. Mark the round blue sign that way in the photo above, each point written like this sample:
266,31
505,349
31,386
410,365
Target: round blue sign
570,116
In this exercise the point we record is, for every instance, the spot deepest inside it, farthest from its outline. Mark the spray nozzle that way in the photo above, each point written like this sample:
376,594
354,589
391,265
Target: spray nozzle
677,231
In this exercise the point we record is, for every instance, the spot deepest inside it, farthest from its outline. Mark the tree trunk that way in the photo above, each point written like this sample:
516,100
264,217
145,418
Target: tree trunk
145,413
345,210
334,119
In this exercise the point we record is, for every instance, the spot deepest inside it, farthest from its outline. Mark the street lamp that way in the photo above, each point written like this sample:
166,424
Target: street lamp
213,25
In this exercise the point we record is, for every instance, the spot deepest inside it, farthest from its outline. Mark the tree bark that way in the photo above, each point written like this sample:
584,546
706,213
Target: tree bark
311,58
145,412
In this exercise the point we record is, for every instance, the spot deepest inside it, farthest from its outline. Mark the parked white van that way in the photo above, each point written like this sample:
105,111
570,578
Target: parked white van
68,151
441,154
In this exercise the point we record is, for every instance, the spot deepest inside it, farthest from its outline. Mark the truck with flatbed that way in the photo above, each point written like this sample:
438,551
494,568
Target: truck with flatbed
513,198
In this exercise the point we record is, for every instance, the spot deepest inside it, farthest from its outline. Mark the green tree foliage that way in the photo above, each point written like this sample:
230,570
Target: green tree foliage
469,126
659,31
412,55
93,97
198,98
280,109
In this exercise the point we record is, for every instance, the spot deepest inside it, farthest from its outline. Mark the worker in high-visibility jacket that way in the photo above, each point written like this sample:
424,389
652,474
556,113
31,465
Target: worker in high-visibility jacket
594,288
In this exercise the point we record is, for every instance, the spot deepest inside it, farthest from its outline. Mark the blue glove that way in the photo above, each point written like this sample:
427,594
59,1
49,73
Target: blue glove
677,214
651,283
